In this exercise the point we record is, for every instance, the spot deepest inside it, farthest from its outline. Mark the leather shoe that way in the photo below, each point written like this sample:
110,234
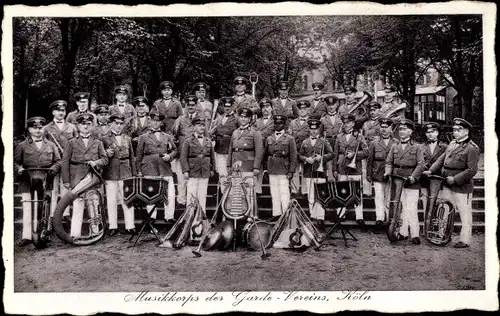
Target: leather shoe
66,219
361,223
25,242
131,231
460,244
112,232
169,221
321,225
415,240
379,225
401,237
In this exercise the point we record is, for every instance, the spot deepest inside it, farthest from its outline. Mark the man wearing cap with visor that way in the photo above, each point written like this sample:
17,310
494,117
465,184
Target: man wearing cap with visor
34,152
283,104
265,125
102,127
318,106
391,106
82,103
168,106
350,100
406,159
458,165
204,107
371,132
331,119
138,125
122,106
241,98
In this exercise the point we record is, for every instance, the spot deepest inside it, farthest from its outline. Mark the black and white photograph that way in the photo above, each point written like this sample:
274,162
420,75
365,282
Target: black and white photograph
249,157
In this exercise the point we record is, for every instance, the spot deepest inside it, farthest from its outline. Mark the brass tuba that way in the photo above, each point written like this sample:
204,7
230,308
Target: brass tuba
439,215
87,188
359,110
395,207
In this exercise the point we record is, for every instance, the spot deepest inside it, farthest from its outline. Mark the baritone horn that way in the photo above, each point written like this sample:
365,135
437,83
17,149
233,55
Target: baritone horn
359,110
439,215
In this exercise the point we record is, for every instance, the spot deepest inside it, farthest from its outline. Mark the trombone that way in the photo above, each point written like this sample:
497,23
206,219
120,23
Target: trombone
320,167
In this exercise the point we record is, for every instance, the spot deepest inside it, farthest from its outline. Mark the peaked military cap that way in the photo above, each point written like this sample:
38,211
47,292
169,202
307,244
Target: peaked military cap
166,85
348,117
461,122
282,85
227,101
200,85
81,96
350,89
156,115
140,100
58,105
303,104
102,108
314,124
245,112
191,99
280,119
330,100
431,125
198,120
240,80
390,87
375,105
385,121
318,86
85,117
36,121
408,123
265,102
117,117
121,89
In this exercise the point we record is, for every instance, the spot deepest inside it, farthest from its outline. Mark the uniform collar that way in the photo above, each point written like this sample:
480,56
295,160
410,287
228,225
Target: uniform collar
463,140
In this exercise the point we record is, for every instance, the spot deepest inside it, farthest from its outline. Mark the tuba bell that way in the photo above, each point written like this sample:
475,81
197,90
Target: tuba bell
395,207
439,215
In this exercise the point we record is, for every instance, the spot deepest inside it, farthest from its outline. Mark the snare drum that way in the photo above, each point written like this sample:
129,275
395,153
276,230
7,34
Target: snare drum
250,234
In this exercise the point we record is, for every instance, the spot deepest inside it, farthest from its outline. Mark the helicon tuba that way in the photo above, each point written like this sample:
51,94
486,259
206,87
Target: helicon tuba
395,207
87,188
439,215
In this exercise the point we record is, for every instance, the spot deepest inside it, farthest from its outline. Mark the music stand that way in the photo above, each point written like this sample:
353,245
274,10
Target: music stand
332,195
143,191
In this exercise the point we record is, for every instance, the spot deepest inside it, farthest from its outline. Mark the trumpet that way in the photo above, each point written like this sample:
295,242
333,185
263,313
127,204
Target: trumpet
352,164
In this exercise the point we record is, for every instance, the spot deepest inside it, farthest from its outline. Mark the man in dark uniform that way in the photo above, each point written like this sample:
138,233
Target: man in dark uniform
331,119
318,106
102,128
59,131
138,125
155,151
34,152
197,162
225,125
282,160
377,154
241,98
246,149
204,107
121,165
350,99
265,125
122,106
168,106
82,102
459,164
313,150
392,108
348,146
371,132
406,159
299,130
80,151
284,105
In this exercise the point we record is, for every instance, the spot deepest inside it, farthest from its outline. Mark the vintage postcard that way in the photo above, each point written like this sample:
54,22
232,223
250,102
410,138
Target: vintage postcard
249,157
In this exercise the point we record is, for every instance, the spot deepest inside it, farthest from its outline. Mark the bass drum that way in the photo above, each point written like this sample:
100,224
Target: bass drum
254,232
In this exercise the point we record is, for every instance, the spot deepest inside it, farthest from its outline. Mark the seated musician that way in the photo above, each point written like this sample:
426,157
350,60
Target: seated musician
313,150
155,151
281,153
121,165
85,149
377,154
406,159
34,152
265,126
458,164
197,162
350,148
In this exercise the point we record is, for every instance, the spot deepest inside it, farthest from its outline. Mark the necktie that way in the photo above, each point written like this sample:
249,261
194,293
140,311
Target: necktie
199,136
385,137
278,134
314,138
59,122
302,120
37,140
121,104
228,115
85,137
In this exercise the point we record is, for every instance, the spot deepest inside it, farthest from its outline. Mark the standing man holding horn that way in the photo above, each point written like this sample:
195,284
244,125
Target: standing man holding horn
284,105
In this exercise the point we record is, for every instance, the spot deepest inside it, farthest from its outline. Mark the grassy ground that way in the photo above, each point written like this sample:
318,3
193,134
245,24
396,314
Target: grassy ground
371,263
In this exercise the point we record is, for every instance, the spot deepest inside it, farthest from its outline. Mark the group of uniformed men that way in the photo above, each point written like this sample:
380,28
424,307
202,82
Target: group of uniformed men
296,143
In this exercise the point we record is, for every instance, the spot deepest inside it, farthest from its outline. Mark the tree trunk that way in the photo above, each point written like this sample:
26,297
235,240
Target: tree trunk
135,77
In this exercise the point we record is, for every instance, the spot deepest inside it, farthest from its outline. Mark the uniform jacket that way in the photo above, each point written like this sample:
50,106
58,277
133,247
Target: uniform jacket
281,154
360,120
205,109
134,128
172,109
197,159
377,154
245,101
460,160
128,110
387,107
316,112
122,164
149,152
342,146
371,130
299,130
290,109
76,154
332,125
308,150
431,158
27,155
223,133
344,108
246,146
71,118
183,127
265,129
100,131
62,137
406,162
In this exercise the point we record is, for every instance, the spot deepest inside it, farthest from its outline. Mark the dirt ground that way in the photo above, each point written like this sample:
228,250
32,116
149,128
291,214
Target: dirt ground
371,263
